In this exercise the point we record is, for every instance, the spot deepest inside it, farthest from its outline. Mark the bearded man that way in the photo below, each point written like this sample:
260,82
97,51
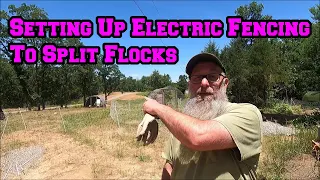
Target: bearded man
213,138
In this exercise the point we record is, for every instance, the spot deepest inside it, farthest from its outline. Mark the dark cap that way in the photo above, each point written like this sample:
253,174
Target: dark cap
203,57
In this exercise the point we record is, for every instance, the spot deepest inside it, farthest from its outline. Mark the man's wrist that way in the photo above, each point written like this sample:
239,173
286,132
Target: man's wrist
161,110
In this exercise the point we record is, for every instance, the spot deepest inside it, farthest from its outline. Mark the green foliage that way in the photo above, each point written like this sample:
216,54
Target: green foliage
315,11
10,93
308,120
110,76
212,48
182,83
260,69
146,83
312,96
156,80
280,107
128,84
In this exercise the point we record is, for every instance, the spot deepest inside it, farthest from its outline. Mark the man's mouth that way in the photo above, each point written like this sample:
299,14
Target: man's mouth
205,94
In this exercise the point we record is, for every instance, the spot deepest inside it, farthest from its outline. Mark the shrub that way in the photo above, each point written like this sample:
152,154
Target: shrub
278,107
308,120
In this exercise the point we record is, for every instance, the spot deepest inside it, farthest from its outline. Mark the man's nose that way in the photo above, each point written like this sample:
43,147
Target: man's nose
205,83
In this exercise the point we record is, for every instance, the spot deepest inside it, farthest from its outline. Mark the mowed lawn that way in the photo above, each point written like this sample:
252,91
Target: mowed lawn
86,143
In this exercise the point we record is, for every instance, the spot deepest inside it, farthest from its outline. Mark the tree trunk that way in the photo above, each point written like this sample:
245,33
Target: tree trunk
38,87
29,107
105,95
2,115
84,100
43,105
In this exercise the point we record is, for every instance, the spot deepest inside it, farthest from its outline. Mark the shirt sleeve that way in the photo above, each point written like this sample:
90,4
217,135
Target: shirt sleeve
244,125
168,150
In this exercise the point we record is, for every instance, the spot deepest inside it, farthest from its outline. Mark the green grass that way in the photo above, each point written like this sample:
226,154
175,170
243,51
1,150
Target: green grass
75,122
129,111
11,126
279,150
144,93
144,158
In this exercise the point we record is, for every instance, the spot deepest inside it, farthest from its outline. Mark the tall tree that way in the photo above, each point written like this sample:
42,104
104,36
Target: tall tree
65,77
212,48
110,76
34,79
257,62
182,83
156,80
315,11
10,90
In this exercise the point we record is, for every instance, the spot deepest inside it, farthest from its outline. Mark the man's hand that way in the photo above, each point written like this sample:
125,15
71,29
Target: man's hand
150,106
147,130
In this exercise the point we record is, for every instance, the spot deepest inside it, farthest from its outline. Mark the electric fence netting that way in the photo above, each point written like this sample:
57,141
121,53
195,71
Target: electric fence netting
123,111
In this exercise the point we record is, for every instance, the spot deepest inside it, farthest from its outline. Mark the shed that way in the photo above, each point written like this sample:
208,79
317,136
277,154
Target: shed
95,101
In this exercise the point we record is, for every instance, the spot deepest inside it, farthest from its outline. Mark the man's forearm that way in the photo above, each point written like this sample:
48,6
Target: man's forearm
185,128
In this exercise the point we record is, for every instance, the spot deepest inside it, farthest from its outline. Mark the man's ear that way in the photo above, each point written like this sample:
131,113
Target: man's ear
225,82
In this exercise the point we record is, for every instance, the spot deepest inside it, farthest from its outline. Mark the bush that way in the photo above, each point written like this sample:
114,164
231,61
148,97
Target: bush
279,107
308,120
283,108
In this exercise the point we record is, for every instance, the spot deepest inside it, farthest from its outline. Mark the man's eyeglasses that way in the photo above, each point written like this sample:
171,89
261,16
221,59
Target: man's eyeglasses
212,78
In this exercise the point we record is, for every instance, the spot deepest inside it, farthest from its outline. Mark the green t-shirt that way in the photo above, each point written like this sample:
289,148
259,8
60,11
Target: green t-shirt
243,121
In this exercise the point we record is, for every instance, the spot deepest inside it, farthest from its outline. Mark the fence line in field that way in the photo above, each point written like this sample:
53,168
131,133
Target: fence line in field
122,111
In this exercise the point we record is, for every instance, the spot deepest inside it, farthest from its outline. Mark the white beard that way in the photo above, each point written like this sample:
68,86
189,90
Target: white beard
206,109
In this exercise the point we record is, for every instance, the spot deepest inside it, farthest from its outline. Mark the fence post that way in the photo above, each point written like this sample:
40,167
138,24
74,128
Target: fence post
25,127
64,126
5,125
115,107
129,105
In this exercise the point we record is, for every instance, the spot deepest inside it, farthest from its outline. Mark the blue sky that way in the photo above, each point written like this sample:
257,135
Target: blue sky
159,9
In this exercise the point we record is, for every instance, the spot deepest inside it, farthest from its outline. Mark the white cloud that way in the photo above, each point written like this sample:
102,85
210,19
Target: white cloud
135,76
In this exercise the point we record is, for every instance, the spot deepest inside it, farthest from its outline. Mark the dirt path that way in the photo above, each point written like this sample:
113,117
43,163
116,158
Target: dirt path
63,157
114,155
125,96
116,95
